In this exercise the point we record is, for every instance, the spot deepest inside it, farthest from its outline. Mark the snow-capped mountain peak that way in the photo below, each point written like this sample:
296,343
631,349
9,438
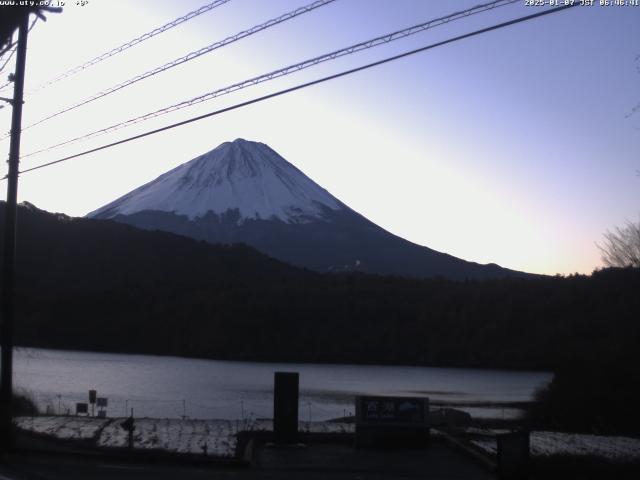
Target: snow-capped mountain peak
243,175
245,192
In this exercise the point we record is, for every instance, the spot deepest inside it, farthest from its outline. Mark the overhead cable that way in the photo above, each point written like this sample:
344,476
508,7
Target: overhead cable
11,48
185,58
10,44
389,37
131,43
305,85
9,57
14,47
13,51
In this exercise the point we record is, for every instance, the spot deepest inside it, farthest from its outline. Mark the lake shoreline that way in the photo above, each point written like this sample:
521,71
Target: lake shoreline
289,361
174,387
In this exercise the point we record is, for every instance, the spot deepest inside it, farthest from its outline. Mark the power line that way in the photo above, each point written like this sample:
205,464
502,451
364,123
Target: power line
15,46
11,53
305,85
5,85
387,38
131,43
12,47
185,58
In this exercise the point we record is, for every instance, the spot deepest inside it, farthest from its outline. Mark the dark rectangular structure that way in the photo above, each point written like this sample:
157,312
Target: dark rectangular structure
513,455
285,407
391,421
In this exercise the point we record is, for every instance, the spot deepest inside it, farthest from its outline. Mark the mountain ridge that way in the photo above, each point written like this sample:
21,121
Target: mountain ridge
245,192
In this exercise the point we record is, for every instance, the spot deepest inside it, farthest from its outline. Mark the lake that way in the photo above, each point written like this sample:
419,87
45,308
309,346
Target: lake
173,387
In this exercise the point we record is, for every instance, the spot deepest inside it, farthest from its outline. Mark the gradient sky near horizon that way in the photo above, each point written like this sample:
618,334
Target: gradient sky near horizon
514,147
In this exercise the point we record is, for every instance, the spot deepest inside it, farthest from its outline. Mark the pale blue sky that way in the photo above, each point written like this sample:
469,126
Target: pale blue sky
512,147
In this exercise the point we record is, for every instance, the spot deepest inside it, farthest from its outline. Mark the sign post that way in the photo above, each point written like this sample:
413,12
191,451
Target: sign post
102,403
92,401
129,425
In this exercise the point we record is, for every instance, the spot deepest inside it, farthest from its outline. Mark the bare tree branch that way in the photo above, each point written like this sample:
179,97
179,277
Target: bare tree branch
621,247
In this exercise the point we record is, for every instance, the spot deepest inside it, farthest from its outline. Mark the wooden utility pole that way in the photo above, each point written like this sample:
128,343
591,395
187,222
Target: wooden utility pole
9,252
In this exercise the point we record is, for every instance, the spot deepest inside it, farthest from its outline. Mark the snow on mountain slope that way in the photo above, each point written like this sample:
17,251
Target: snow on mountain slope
243,175
244,192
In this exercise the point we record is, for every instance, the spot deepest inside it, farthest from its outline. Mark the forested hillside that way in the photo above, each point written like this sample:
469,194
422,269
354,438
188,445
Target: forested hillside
99,285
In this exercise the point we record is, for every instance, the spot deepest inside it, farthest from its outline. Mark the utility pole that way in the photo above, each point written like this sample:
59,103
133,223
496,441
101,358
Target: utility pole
9,252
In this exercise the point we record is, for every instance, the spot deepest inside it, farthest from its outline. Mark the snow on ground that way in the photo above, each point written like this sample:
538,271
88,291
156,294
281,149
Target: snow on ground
213,437
202,437
82,428
327,427
218,437
307,427
543,444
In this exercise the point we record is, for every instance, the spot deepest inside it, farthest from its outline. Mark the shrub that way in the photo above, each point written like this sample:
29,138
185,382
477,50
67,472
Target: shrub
23,404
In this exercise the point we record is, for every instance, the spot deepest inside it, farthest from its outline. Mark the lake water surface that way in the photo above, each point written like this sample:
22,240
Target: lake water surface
172,387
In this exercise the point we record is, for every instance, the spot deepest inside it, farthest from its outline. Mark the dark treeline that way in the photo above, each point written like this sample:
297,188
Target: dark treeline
99,285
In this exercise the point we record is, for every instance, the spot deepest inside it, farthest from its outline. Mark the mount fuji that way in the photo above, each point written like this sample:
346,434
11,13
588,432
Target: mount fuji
245,192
